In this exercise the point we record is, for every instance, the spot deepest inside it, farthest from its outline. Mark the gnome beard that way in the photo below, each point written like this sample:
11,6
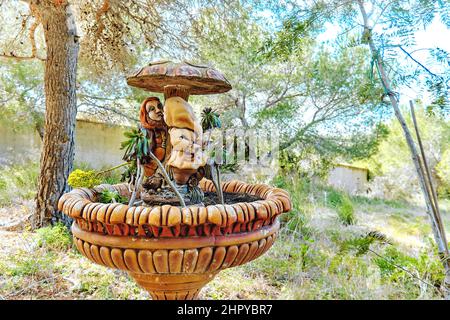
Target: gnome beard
186,155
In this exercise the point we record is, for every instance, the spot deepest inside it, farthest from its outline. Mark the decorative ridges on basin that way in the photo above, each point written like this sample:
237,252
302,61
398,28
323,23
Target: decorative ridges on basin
145,230
176,255
173,221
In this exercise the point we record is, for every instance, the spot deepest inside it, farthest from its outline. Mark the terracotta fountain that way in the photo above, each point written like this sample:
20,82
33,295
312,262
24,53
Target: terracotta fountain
170,250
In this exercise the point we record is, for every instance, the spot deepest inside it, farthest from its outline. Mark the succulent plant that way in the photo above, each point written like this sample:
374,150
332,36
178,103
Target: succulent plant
83,179
210,119
108,196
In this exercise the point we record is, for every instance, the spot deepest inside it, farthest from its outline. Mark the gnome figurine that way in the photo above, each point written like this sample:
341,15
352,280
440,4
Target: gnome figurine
187,158
178,81
151,118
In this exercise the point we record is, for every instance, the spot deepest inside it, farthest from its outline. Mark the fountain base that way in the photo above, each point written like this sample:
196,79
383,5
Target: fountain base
173,286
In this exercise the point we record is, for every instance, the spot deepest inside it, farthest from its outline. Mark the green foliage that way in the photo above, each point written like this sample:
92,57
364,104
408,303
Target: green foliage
290,40
97,284
393,263
443,173
55,237
111,177
210,119
306,162
24,264
83,179
361,244
38,254
108,196
352,132
18,182
299,189
137,145
346,212
343,205
392,166
21,89
130,172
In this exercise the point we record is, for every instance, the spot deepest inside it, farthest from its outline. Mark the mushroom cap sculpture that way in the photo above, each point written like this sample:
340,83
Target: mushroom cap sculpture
163,76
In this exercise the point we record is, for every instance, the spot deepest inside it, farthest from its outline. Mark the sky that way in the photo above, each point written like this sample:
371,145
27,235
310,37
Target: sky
435,35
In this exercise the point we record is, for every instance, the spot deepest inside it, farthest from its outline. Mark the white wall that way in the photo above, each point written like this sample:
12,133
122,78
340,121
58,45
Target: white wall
96,144
350,179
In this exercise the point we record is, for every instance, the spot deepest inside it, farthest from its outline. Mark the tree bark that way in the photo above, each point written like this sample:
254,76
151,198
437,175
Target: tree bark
57,152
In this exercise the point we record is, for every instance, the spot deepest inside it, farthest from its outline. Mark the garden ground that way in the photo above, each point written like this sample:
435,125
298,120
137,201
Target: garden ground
332,246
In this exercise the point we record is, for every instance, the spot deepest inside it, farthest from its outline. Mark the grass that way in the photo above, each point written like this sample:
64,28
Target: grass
309,261
331,246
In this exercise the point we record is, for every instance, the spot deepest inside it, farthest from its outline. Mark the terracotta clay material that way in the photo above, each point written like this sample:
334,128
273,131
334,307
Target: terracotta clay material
167,75
170,251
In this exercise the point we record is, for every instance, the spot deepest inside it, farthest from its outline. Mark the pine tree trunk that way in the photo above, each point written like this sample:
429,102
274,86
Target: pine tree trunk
57,152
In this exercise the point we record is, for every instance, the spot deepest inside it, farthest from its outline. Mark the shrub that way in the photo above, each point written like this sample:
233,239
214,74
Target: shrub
361,244
25,264
343,205
346,212
18,182
405,270
54,238
83,179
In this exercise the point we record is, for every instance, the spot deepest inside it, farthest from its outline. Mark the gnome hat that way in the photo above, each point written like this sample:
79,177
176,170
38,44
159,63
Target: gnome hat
179,114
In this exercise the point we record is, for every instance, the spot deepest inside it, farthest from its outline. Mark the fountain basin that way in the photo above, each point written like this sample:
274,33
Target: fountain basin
173,252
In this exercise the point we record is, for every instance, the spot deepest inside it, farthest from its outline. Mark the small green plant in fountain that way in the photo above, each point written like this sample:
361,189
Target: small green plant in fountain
108,196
